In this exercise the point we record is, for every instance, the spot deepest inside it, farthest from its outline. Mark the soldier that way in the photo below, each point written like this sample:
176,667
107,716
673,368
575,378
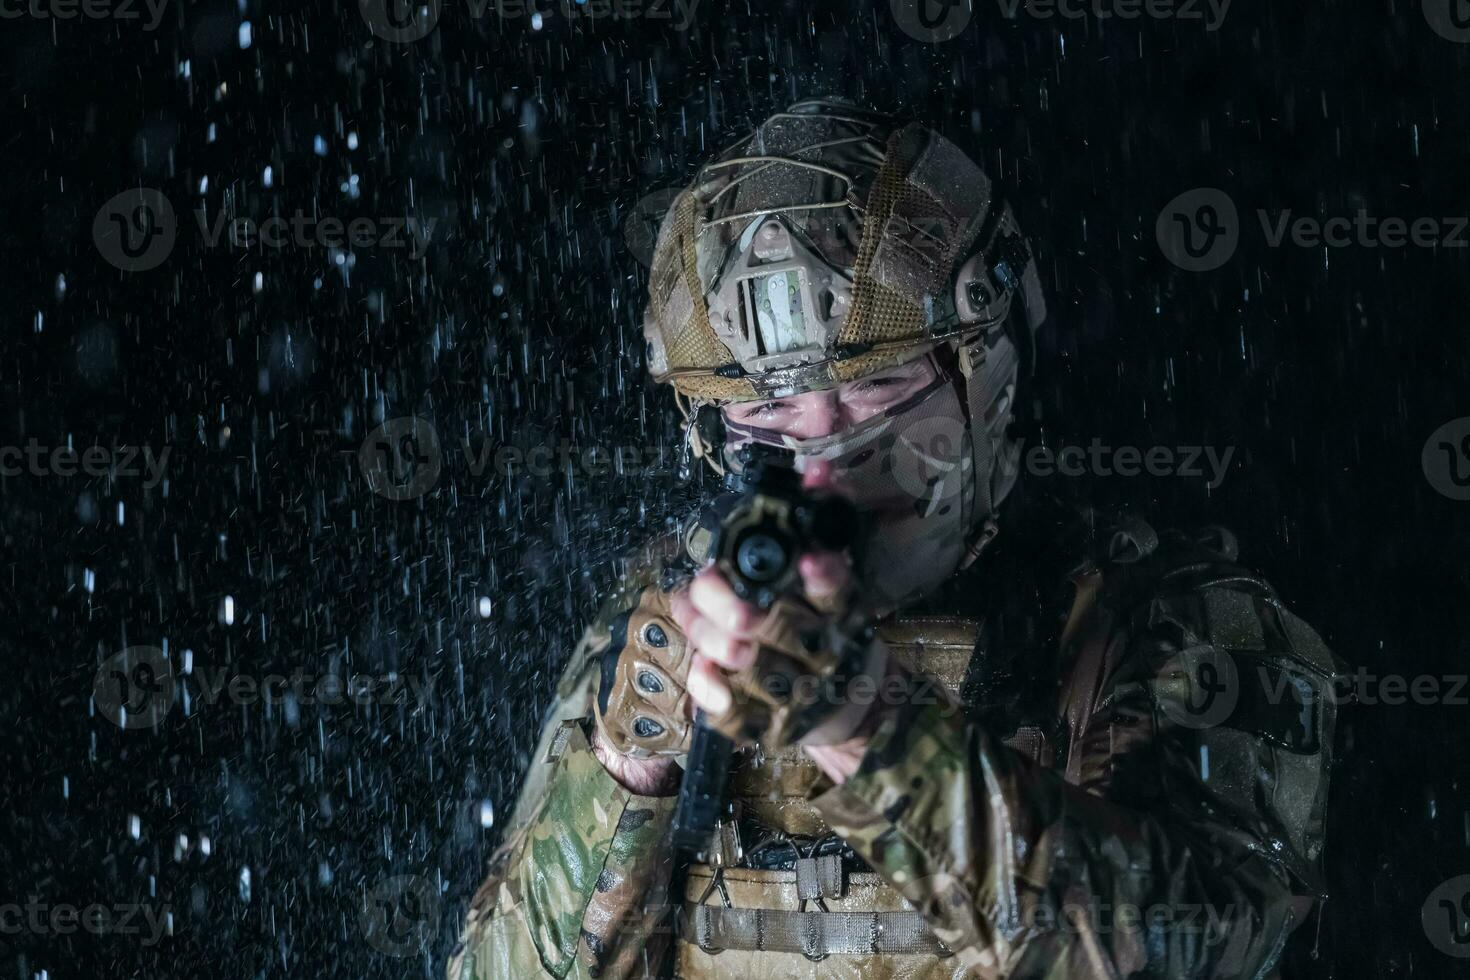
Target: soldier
1075,751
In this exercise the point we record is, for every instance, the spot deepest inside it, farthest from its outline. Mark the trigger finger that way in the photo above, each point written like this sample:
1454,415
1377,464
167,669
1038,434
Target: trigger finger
708,687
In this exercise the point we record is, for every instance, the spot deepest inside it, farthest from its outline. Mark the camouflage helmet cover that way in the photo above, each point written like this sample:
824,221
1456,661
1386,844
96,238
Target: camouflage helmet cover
829,244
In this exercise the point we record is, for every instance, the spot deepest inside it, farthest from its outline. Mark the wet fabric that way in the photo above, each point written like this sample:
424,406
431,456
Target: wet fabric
1121,834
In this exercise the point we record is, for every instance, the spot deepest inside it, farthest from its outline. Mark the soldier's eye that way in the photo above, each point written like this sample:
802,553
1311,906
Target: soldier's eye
654,635
647,728
765,410
649,683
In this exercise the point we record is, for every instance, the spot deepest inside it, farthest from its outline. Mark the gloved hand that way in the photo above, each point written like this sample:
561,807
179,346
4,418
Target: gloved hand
642,706
782,676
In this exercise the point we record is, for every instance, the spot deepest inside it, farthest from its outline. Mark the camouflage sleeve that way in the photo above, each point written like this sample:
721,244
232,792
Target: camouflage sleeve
1183,839
579,887
578,890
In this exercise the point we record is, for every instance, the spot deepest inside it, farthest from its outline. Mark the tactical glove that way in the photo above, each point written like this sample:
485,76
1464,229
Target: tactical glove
800,687
641,704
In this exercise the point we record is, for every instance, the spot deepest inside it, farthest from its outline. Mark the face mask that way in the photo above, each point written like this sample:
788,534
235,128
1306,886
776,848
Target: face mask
911,470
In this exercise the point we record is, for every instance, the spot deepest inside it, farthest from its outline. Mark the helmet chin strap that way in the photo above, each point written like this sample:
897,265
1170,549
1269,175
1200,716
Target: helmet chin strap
695,446
957,364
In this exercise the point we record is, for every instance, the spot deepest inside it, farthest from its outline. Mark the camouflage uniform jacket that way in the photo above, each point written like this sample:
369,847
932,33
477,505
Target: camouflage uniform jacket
1163,817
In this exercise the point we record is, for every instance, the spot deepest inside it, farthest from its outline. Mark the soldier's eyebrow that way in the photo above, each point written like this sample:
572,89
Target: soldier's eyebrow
901,372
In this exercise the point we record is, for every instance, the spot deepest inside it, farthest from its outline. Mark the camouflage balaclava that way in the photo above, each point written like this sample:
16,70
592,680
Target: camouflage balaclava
829,245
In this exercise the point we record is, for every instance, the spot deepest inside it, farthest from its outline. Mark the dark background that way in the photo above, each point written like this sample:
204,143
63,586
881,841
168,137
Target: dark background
1326,368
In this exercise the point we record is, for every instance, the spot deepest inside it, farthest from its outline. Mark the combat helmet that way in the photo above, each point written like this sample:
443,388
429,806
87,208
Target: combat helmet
832,243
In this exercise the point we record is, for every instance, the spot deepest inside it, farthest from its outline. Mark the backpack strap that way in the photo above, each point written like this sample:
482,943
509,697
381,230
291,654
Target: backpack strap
1111,593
